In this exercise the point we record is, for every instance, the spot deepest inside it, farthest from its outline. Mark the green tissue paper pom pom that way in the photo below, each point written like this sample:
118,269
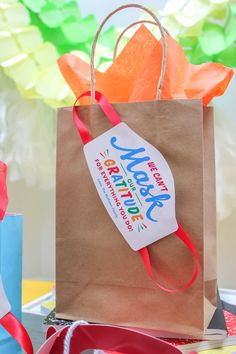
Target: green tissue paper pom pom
198,56
71,9
58,3
34,5
51,15
228,56
230,25
75,31
212,39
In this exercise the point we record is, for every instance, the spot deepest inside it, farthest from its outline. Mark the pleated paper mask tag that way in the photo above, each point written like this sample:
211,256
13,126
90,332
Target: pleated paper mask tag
135,185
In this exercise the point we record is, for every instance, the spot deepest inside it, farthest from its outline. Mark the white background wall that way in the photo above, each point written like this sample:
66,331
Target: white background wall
38,206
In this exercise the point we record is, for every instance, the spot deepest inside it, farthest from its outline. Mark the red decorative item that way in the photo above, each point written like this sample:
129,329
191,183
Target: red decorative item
14,327
111,339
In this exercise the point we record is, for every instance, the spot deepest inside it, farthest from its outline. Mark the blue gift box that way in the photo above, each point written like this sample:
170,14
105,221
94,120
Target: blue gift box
11,272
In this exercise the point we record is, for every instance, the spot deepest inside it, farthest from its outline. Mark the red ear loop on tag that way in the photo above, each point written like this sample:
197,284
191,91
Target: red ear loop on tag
14,327
106,107
114,118
183,236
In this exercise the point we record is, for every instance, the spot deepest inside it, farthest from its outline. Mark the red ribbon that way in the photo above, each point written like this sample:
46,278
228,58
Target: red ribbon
14,327
106,107
86,137
182,234
107,338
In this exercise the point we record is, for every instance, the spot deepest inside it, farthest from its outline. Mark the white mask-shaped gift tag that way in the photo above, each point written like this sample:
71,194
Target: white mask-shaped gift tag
135,185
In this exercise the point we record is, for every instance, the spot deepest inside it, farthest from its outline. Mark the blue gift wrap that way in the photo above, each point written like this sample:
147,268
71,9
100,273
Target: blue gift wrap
11,229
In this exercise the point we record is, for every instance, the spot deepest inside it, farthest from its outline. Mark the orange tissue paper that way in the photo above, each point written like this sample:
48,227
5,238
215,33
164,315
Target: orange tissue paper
134,74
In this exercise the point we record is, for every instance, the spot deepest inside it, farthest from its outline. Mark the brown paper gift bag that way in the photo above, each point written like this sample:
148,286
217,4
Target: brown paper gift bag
99,278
